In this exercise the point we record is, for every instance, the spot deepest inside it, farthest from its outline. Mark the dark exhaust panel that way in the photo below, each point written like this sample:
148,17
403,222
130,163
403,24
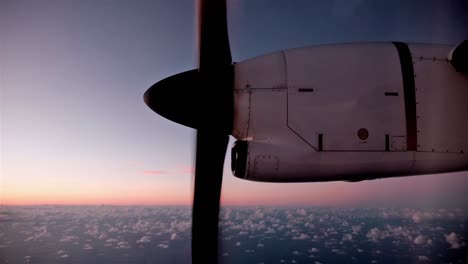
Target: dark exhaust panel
239,156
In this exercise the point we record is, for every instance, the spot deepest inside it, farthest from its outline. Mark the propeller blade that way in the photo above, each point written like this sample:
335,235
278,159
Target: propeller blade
211,151
216,73
203,99
213,40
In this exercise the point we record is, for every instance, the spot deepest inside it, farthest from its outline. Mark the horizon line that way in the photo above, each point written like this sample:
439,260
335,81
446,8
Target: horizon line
234,205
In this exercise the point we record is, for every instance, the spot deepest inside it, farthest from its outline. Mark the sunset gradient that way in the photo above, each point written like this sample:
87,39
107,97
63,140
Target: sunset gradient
75,130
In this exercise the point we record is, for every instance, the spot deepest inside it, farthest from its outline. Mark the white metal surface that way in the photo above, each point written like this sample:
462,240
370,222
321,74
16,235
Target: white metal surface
349,83
442,101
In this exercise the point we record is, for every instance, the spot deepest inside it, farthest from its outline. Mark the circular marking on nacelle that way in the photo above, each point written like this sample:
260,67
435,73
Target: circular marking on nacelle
363,134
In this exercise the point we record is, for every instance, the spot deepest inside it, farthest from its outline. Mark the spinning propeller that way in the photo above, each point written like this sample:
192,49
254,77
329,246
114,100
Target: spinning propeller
203,99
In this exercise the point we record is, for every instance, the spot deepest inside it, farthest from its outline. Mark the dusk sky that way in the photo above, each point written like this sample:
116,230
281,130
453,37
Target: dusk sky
75,130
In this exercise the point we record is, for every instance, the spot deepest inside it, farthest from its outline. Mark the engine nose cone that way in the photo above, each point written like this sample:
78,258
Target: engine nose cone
195,101
173,97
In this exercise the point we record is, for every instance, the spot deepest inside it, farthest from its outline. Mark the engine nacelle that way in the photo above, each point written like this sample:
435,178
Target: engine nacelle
349,112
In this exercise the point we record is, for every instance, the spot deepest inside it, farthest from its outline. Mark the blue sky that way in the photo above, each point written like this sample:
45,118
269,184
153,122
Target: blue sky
74,125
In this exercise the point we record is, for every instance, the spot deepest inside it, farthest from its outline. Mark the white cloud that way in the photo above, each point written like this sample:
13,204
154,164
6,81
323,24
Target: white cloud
453,240
238,243
142,226
163,245
314,250
123,244
399,232
87,247
112,240
113,230
180,226
69,239
301,212
419,240
347,237
417,218
92,232
374,234
301,237
423,258
258,214
144,239
356,229
260,245
227,213
296,253
174,236
65,256
41,232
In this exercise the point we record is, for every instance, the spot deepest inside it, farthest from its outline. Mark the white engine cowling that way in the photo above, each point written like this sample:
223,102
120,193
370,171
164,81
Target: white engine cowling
349,112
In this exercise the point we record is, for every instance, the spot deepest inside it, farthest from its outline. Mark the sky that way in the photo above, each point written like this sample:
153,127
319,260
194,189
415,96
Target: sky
75,130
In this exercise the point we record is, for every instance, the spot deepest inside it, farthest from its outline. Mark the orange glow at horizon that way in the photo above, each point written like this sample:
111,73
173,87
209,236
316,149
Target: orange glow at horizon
94,198
172,189
67,191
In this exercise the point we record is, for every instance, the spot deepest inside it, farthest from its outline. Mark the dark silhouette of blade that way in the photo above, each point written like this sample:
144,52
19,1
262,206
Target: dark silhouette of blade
214,61
214,52
211,150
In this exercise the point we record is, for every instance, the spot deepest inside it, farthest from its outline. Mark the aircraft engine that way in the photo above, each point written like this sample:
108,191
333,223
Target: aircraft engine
349,112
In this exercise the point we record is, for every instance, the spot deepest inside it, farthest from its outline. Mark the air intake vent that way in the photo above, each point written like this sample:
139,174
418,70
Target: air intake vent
459,57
